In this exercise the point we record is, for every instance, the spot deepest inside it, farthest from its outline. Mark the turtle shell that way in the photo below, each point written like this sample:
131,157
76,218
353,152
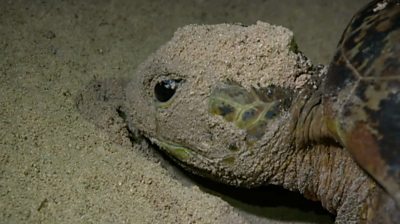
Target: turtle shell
362,92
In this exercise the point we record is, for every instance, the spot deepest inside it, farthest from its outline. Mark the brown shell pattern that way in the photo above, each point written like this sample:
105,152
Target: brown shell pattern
362,92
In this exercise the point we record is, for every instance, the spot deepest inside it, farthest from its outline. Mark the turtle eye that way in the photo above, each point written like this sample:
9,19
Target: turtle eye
164,90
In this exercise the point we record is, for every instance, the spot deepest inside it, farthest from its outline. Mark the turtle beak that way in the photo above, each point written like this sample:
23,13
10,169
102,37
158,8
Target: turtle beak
179,152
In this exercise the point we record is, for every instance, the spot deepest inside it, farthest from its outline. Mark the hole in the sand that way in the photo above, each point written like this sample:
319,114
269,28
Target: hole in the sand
165,89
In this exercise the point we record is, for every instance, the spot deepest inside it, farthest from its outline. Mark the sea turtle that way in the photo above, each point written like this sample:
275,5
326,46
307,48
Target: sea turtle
228,106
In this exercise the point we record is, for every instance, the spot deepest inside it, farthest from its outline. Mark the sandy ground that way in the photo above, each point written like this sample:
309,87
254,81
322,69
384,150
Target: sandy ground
57,167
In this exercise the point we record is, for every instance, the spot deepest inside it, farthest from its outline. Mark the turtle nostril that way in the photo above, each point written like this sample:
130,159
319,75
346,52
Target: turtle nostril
165,89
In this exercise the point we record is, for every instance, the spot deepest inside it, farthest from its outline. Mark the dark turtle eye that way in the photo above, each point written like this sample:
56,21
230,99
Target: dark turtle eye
165,89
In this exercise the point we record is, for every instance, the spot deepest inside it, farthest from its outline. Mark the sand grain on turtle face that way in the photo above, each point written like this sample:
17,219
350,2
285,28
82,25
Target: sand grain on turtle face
257,55
205,57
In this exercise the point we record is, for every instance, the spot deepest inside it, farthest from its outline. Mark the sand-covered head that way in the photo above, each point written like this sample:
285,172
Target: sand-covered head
214,94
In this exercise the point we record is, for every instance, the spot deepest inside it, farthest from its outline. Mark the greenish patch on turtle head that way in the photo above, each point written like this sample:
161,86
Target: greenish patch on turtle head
249,110
174,150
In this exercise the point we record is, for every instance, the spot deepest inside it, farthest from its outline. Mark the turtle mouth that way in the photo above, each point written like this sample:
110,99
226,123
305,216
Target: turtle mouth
176,150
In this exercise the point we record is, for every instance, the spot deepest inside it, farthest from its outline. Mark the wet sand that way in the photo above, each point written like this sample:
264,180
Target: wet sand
57,167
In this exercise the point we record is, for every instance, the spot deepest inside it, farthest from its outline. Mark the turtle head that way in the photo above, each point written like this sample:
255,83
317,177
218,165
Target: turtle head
188,99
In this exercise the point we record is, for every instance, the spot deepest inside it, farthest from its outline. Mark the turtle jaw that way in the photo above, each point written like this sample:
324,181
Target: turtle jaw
224,170
191,160
176,150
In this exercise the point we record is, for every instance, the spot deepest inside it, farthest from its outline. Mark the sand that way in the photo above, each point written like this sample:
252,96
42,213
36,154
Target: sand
58,167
